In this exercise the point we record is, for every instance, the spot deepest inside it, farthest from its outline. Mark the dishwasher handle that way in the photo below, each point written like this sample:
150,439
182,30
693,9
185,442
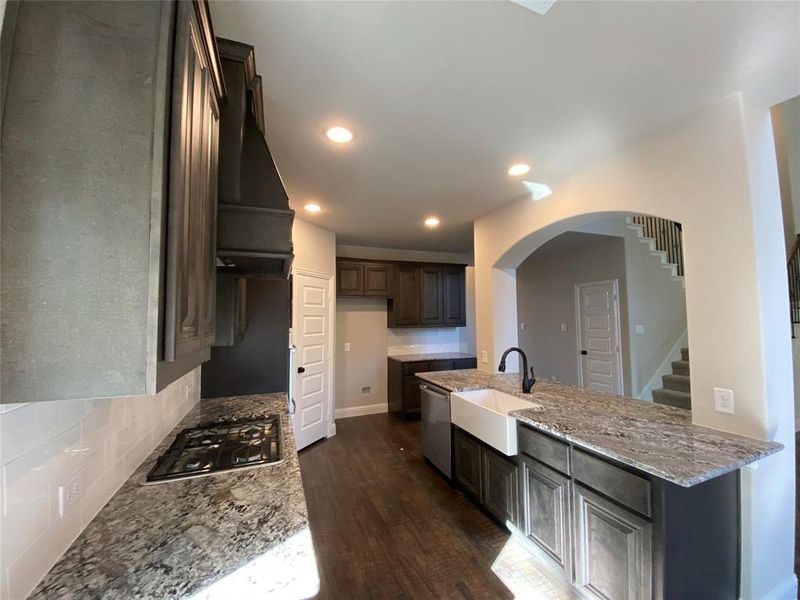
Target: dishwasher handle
434,390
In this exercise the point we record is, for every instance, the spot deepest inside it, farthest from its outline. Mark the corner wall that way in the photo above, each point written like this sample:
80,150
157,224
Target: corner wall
715,173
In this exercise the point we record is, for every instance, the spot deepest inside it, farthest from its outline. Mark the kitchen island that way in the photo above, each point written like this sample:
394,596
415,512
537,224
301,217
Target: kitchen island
237,534
622,498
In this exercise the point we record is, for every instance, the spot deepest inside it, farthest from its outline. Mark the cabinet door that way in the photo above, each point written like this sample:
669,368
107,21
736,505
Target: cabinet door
378,280
500,490
412,395
190,269
349,279
405,303
430,296
613,552
467,462
546,514
454,296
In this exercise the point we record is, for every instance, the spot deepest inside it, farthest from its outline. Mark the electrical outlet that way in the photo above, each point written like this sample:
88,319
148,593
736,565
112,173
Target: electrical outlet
639,329
523,326
723,400
563,327
347,346
70,492
484,357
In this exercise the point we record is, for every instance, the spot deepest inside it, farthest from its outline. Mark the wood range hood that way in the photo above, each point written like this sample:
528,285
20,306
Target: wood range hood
254,221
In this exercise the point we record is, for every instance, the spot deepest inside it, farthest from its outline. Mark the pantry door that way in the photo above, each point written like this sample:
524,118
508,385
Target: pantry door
600,356
312,338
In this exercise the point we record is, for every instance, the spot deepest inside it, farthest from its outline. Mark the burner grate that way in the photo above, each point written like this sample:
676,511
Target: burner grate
219,447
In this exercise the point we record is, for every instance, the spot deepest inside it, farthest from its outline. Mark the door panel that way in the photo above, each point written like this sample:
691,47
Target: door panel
600,357
349,279
430,281
405,304
467,462
378,280
500,493
454,296
613,551
312,338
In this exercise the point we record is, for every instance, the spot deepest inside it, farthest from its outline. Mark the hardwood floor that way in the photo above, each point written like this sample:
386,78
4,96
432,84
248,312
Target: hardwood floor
385,525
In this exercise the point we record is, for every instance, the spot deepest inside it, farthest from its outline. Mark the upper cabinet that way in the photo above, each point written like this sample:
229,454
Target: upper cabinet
419,294
109,197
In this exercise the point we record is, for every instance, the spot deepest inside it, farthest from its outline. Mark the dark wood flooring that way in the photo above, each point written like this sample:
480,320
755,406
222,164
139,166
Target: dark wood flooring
385,525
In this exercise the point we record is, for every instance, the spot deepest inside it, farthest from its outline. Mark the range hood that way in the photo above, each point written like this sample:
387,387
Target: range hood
254,221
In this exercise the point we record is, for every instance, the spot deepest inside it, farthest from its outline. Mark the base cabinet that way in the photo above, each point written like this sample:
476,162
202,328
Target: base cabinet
486,475
546,510
613,549
405,396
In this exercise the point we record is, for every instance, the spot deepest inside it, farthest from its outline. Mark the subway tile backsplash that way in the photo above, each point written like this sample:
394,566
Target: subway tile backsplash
45,445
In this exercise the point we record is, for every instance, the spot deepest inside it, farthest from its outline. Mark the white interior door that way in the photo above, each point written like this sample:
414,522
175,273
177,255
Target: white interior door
312,338
599,337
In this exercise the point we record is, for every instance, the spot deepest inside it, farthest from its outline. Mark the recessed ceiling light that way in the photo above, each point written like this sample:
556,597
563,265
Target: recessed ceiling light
518,169
432,222
312,207
340,135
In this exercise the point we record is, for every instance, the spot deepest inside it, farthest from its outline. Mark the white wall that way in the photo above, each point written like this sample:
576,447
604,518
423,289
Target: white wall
714,172
786,123
45,444
654,299
314,248
369,252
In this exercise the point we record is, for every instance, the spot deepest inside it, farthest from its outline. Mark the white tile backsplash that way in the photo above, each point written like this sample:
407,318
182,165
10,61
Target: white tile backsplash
45,444
425,341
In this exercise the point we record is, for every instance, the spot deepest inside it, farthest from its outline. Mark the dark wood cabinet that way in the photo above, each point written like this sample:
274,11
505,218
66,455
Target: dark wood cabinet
349,279
373,279
378,280
486,475
404,394
619,534
546,514
419,294
467,464
613,549
500,486
430,296
192,206
454,310
404,309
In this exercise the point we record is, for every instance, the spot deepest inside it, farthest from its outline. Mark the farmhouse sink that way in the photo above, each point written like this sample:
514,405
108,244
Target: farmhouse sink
484,414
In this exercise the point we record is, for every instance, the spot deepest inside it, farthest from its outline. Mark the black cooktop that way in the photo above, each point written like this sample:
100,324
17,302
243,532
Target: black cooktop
218,447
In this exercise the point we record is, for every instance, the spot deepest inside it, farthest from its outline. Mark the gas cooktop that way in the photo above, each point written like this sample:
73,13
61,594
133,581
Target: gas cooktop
218,447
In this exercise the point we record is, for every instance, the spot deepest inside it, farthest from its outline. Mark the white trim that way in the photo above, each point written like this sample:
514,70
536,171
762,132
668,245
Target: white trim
665,368
360,411
785,590
579,338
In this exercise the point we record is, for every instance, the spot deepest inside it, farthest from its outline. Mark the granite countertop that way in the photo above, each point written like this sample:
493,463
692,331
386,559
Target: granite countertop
239,534
431,356
660,440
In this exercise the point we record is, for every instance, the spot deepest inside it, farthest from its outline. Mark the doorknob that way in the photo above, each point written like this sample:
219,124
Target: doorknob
584,352
301,369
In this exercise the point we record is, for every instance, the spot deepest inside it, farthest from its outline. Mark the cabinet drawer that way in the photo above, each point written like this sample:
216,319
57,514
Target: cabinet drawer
410,368
465,363
543,448
440,365
616,483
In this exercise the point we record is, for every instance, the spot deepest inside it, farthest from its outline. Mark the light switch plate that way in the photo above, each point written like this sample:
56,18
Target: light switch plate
347,346
723,400
485,357
523,325
70,492
563,327
639,329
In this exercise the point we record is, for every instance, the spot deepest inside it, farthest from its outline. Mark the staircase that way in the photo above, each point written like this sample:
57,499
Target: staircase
665,239
676,386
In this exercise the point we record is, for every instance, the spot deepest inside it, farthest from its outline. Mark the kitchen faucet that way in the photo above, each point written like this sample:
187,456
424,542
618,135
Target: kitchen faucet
527,382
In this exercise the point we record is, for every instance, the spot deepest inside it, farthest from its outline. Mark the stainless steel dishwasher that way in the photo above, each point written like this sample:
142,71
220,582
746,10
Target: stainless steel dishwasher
436,427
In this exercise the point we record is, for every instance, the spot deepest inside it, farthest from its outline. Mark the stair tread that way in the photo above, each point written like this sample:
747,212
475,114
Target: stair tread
676,376
674,393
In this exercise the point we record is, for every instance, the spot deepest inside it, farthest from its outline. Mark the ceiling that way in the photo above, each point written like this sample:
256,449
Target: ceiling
443,96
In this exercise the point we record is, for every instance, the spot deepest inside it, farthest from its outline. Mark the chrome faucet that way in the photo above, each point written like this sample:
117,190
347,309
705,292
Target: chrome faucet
527,382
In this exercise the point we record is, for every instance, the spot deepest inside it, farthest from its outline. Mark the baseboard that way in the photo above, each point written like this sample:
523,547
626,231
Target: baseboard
785,590
360,411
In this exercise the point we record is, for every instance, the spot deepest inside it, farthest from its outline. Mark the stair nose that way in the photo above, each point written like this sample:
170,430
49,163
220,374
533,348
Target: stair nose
679,383
673,398
685,354
680,367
